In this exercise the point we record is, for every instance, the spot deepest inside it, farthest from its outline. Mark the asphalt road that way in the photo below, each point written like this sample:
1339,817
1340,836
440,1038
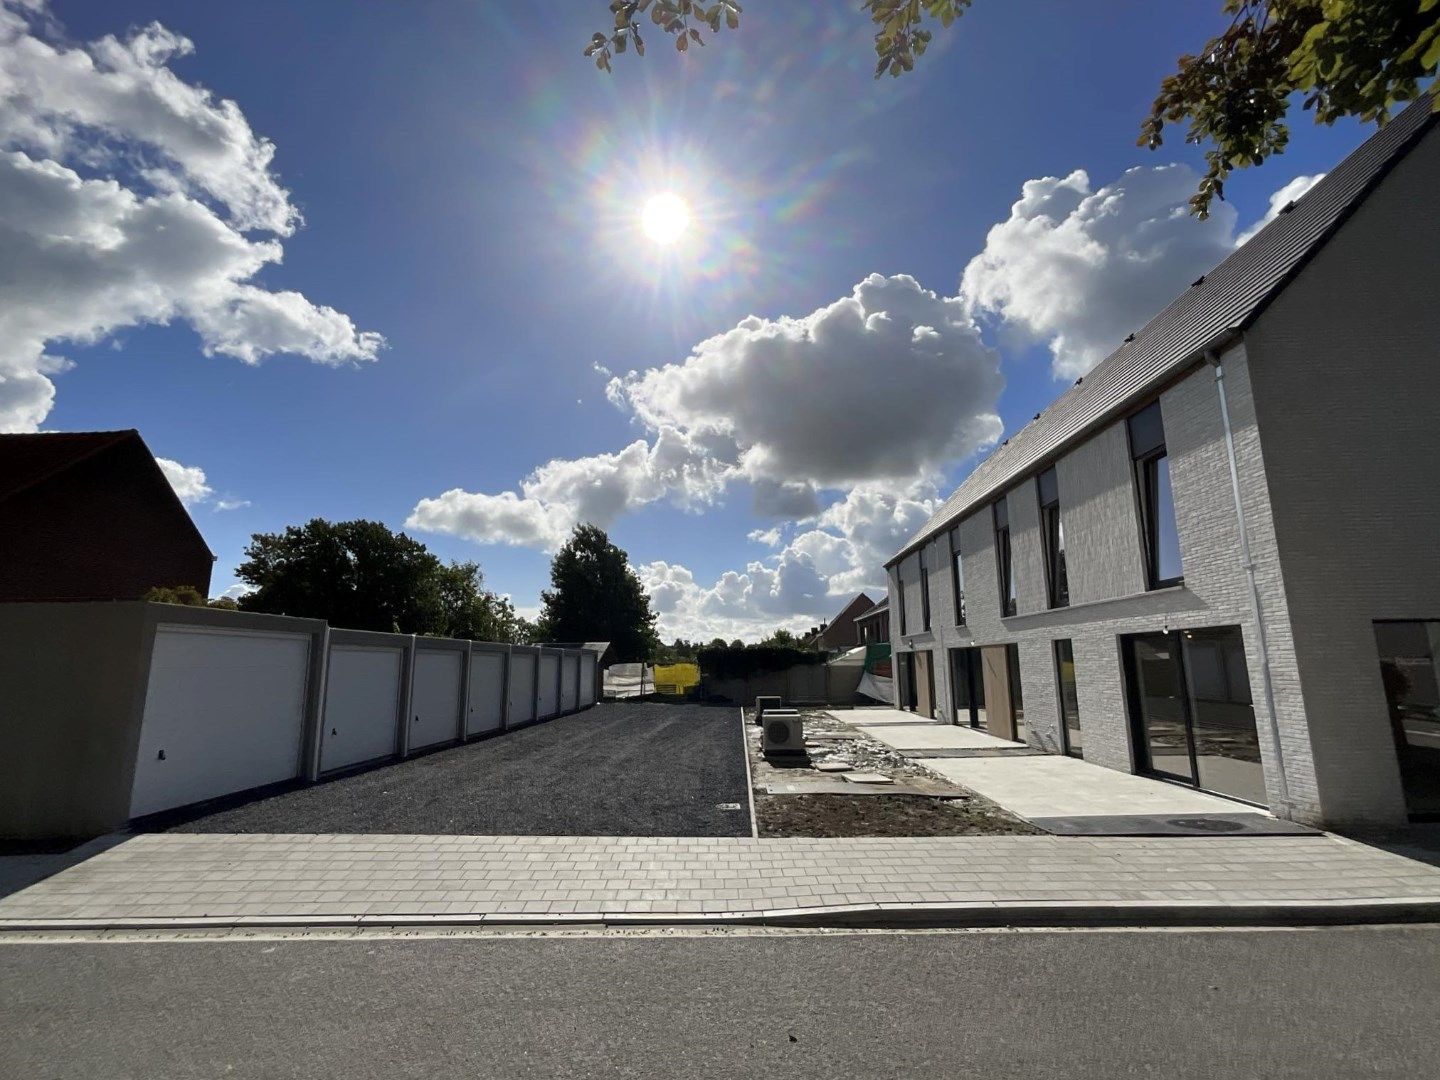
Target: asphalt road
619,769
1328,1003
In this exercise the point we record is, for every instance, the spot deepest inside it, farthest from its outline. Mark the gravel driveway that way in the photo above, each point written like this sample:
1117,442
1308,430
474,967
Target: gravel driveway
619,769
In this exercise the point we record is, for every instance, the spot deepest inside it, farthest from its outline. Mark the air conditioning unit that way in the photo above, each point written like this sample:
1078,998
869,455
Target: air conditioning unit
783,733
762,704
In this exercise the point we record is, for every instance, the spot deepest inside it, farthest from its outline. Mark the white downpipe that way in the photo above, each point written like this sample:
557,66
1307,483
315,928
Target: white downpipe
1262,639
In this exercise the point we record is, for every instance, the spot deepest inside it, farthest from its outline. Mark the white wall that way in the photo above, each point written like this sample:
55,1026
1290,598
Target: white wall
522,687
569,683
587,678
435,697
362,703
487,692
549,683
227,710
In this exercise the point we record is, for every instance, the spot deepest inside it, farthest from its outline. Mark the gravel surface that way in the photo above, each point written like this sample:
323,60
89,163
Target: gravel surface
619,769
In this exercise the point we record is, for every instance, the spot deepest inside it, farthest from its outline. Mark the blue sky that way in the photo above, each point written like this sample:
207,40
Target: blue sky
470,190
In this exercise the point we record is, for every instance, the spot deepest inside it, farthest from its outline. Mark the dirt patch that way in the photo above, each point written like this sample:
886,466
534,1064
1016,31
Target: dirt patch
883,815
942,809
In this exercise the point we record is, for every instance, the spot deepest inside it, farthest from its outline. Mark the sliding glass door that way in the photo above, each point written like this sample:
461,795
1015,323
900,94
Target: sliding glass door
1190,706
967,685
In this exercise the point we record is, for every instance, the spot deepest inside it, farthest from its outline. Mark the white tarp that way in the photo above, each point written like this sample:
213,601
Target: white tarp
629,680
877,688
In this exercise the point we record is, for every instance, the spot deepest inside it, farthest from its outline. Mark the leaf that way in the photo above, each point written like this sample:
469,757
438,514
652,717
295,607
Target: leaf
682,43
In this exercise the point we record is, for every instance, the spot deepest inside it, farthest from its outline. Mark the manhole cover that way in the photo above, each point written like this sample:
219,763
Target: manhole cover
1206,824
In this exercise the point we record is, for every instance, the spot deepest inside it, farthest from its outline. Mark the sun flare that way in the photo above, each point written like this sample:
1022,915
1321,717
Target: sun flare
665,218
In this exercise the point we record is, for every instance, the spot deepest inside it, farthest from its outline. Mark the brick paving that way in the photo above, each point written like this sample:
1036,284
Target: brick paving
238,879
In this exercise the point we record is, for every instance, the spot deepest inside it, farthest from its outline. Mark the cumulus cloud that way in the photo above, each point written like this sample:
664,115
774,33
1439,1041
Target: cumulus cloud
128,196
1278,201
187,480
1079,269
771,402
788,391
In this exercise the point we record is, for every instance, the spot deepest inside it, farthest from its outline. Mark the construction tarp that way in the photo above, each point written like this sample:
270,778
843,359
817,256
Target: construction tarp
877,683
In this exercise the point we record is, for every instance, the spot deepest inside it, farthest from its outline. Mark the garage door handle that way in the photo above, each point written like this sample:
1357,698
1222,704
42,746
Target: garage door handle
417,719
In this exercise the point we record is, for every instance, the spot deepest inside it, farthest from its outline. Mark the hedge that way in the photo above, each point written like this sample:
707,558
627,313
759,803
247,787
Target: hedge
732,663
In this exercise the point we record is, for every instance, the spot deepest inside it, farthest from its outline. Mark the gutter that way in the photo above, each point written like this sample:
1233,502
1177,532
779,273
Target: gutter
1247,561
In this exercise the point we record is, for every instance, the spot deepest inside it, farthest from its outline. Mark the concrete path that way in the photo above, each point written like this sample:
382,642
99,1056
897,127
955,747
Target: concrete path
926,735
233,879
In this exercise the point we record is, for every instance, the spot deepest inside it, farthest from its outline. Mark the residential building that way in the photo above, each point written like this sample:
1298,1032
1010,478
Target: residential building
90,516
1214,559
840,632
874,625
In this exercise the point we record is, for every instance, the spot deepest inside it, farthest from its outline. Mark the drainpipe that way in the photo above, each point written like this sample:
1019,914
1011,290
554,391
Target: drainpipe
1266,684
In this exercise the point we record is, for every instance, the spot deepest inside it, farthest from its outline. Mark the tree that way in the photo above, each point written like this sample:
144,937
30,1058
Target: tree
1357,58
782,639
360,575
596,596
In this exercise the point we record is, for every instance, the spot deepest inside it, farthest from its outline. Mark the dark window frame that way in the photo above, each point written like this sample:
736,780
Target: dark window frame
1146,475
900,598
957,576
1052,540
1065,745
924,594
1004,558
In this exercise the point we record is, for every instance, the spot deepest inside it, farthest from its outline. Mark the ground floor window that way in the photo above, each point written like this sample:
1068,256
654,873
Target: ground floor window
1070,739
1410,670
967,687
1191,710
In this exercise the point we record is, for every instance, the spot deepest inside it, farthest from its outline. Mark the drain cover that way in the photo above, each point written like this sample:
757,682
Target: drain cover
1206,824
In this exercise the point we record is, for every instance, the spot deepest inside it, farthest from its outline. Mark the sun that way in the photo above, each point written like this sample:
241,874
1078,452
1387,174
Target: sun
665,218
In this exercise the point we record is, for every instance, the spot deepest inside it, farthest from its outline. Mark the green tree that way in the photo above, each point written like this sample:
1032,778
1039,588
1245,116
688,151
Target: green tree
360,575
782,638
1342,58
596,596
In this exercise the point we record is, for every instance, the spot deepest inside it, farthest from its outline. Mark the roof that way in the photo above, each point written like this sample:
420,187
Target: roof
1224,301
29,460
25,460
594,646
879,609
846,615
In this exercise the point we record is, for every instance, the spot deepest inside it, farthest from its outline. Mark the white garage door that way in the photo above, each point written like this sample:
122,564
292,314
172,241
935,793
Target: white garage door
362,703
569,682
549,686
522,687
587,678
224,712
487,692
435,697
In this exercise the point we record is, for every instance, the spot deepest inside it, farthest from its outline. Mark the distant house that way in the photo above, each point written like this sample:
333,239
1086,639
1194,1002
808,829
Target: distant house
90,516
840,632
874,625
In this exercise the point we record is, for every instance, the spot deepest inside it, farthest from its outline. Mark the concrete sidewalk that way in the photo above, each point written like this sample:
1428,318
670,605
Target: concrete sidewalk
178,880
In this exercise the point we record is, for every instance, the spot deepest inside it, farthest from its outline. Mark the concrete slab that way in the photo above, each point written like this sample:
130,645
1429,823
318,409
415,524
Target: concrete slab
926,736
856,717
1253,824
1050,786
868,778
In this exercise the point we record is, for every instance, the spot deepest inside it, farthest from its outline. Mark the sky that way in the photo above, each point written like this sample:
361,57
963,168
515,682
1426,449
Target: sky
393,261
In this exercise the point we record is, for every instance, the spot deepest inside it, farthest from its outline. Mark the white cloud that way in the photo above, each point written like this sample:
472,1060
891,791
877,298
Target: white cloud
231,504
774,402
1278,201
236,591
790,392
126,196
187,480
1080,269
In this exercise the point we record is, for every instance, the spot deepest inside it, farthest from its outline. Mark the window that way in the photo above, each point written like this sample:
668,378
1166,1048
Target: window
1052,532
1070,741
924,593
1410,673
1017,699
1002,554
900,599
957,578
1157,502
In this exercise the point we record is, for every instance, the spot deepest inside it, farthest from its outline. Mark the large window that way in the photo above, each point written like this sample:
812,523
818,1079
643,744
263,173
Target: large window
1410,671
900,600
924,593
1157,503
1057,585
1002,555
1017,698
1191,710
1070,740
957,576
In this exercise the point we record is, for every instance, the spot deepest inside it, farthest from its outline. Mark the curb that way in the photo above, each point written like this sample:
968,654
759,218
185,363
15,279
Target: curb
1049,913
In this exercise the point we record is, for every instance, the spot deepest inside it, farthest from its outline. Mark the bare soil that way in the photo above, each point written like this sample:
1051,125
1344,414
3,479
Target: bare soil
884,815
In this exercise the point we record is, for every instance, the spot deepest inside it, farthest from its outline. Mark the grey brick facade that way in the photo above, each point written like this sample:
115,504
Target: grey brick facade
1333,392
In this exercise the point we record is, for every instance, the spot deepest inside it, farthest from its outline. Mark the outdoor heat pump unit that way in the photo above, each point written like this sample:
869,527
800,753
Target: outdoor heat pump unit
782,733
